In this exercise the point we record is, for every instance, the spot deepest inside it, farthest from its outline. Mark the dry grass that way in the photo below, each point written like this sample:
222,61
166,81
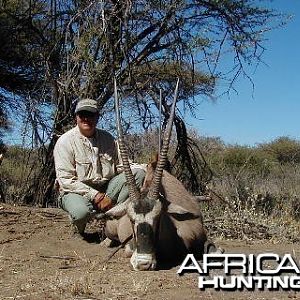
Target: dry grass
258,208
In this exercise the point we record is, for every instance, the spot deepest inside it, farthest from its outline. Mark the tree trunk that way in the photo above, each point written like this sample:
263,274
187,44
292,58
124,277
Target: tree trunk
42,192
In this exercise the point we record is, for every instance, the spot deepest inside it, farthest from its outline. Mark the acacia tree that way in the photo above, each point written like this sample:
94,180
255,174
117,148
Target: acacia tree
146,45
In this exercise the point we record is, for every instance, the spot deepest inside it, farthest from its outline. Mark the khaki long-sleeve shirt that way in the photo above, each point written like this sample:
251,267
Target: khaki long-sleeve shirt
84,164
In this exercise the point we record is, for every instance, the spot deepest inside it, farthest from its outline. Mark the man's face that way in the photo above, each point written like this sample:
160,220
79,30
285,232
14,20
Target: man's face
87,122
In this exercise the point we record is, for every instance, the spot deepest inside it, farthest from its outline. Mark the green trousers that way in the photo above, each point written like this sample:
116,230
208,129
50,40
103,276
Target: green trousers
80,209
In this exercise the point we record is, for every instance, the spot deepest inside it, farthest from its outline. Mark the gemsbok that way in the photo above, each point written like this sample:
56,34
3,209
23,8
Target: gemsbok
163,218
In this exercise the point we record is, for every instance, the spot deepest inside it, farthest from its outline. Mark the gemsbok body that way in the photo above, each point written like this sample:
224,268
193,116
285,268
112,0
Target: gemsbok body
163,218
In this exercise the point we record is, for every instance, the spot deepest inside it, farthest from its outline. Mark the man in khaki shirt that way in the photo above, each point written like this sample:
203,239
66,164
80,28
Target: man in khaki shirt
86,161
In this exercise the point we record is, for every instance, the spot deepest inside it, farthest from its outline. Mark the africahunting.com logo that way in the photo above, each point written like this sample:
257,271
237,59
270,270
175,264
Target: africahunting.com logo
266,271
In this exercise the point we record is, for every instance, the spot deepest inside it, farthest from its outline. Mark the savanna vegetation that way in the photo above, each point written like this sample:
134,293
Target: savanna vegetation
257,188
252,192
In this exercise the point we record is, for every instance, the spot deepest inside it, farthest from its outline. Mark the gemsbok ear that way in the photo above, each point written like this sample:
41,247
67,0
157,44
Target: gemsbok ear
117,211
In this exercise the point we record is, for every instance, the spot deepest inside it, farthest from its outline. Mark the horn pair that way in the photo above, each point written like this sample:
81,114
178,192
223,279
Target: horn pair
134,193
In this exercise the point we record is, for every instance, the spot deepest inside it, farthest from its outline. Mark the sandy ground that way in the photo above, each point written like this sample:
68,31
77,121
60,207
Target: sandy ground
41,259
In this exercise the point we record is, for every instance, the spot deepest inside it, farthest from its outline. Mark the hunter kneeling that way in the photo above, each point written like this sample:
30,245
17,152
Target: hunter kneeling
87,168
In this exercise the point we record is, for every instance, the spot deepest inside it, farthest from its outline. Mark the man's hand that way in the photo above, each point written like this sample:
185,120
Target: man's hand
102,202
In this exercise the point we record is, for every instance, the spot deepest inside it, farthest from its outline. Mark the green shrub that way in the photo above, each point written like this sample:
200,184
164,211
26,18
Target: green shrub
283,149
237,159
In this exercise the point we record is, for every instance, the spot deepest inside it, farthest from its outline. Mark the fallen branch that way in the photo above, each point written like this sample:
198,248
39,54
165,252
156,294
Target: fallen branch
214,220
68,267
8,212
52,216
203,198
11,240
59,257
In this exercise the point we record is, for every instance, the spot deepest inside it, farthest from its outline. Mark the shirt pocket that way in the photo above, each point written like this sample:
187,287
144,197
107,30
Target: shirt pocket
107,166
83,169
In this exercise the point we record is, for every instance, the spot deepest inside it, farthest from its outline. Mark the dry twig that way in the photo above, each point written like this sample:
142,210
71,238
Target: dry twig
59,257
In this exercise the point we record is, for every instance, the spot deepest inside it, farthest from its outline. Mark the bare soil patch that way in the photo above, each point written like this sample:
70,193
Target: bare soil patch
41,259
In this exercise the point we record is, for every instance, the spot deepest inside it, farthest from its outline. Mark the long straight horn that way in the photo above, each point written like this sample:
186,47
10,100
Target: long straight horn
154,188
134,193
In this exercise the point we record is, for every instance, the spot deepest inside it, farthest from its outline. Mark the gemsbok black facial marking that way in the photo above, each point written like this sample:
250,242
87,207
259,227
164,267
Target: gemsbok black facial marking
145,238
144,207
